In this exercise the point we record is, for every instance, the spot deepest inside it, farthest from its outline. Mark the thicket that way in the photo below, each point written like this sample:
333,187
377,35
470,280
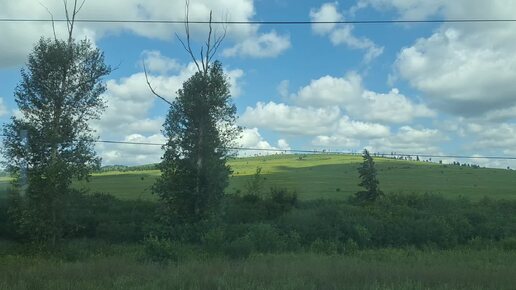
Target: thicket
278,222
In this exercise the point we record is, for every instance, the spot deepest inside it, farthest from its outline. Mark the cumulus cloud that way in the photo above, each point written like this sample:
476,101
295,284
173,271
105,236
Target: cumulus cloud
335,142
499,137
251,138
290,119
410,140
341,33
407,9
461,73
128,154
157,63
260,46
326,125
19,38
349,93
464,69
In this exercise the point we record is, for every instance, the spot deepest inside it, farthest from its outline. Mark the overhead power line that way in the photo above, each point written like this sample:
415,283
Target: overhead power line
262,22
378,154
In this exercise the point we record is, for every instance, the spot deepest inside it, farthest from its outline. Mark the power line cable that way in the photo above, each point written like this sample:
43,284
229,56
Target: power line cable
274,22
378,154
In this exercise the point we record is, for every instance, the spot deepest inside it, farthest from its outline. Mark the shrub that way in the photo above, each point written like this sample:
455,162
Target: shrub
328,247
266,238
241,248
350,246
509,244
213,240
160,250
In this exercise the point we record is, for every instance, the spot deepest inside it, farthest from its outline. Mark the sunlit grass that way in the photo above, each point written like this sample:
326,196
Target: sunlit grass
329,176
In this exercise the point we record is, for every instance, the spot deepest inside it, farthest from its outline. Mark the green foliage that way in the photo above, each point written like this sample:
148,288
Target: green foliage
253,208
160,250
367,172
200,128
51,143
266,238
254,186
326,247
240,248
214,240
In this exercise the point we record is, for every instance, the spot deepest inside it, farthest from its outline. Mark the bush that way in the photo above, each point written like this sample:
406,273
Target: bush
241,248
214,240
350,246
327,247
161,250
266,238
509,244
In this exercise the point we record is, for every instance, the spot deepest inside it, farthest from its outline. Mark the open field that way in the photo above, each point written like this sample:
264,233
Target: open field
330,176
121,268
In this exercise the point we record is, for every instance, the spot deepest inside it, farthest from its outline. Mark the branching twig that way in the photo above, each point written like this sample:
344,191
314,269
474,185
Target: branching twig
150,85
211,47
52,18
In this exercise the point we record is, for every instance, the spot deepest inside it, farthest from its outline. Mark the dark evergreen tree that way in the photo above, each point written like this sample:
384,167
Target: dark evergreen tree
367,173
51,143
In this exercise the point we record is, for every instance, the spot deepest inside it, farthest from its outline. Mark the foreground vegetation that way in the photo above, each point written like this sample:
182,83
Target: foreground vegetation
122,267
270,239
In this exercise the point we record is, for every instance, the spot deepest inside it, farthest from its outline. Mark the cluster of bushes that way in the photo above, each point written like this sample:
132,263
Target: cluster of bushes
94,216
278,222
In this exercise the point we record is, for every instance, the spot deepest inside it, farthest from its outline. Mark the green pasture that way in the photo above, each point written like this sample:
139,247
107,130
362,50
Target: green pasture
330,177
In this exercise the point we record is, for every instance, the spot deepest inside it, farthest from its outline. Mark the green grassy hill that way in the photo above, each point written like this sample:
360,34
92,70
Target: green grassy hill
329,176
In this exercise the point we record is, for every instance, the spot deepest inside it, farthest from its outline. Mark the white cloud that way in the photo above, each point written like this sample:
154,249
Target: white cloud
233,78
283,88
290,119
128,154
410,140
335,141
325,124
329,90
251,138
407,9
460,72
18,38
326,13
465,69
260,46
344,35
348,93
357,129
498,137
157,63
3,108
341,33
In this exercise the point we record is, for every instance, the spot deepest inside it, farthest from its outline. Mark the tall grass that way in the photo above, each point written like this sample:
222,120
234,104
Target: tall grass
373,269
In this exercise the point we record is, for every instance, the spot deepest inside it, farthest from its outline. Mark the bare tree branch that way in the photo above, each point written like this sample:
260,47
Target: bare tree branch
150,85
52,18
207,55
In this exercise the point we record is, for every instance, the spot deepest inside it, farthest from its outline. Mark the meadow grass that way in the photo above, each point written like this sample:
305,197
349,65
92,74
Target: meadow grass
371,269
328,177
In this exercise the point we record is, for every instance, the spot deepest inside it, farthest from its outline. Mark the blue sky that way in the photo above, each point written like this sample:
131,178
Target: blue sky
420,88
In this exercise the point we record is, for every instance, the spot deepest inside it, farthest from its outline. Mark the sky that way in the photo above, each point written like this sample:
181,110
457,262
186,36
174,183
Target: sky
427,88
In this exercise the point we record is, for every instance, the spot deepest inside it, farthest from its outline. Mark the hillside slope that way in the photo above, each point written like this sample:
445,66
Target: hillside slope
330,176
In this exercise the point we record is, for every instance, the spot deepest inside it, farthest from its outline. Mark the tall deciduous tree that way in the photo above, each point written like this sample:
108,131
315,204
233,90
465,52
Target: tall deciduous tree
367,172
50,142
200,128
